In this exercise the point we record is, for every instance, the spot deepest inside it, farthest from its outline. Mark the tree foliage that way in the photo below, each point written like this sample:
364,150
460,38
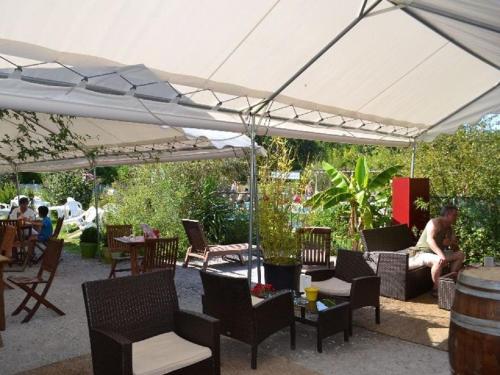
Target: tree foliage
58,186
161,195
33,140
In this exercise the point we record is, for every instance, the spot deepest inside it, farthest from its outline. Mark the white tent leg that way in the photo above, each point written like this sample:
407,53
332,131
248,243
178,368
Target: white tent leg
412,166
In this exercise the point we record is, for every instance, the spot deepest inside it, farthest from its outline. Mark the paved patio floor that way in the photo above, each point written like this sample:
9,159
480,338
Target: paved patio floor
49,338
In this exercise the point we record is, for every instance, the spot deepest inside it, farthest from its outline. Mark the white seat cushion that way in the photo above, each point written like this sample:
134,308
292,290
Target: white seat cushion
333,286
165,353
256,300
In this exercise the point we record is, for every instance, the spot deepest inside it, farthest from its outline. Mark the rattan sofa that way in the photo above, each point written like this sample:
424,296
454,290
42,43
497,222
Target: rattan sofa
136,327
397,279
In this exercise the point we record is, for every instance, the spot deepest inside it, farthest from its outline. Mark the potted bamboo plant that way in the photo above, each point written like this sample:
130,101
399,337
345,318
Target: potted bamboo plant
278,240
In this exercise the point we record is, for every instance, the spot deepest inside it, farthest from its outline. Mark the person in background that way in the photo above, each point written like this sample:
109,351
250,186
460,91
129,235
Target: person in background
438,245
23,211
45,230
309,190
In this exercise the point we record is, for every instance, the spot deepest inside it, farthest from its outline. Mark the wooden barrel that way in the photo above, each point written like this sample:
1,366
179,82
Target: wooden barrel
474,339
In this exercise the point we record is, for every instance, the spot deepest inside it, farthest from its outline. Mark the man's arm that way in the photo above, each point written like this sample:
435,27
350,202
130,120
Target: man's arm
431,239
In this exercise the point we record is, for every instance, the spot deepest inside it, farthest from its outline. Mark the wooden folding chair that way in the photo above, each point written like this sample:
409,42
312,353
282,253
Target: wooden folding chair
42,245
49,265
23,252
315,246
160,253
116,248
7,238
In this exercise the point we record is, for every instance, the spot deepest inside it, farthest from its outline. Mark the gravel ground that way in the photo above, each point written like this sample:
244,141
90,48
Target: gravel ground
49,338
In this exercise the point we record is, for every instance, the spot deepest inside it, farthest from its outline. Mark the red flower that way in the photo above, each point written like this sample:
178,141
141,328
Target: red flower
261,290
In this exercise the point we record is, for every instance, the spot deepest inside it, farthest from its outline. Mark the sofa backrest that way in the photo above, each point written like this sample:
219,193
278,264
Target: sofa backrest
393,238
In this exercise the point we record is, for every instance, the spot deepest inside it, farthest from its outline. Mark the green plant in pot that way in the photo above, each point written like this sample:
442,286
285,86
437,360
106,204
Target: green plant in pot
88,242
278,240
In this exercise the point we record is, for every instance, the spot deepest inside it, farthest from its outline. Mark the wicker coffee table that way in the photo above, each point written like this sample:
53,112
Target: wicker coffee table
446,291
327,322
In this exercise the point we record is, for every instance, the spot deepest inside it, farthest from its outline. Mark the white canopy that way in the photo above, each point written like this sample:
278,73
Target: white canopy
389,72
118,142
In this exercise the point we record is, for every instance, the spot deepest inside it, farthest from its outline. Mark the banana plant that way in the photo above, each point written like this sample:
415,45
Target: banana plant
360,194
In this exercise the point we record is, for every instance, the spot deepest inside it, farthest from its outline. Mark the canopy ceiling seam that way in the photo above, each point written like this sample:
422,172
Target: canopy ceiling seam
406,74
460,109
230,111
445,35
316,57
84,83
240,43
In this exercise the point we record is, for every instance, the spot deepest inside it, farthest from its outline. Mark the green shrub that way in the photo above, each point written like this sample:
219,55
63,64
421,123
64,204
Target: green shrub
70,228
89,235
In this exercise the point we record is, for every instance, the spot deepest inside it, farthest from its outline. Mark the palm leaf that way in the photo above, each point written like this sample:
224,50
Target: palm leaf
333,201
337,178
384,177
361,173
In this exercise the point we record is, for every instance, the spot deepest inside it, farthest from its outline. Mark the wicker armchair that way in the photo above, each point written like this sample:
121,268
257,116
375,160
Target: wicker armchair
136,327
352,280
397,279
242,317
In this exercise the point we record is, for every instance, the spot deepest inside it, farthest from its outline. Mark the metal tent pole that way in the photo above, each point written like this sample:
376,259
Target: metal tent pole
96,202
18,189
412,166
252,198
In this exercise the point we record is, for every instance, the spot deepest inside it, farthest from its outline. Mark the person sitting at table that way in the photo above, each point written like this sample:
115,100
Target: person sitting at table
23,211
44,231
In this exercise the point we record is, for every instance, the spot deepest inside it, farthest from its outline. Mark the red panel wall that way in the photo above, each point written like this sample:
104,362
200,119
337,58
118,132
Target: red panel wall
405,191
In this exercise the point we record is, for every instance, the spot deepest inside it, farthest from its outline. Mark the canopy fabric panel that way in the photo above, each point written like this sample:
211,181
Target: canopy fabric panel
404,71
116,142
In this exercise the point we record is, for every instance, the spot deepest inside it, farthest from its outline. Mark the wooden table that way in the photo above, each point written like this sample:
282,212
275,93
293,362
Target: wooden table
3,260
131,244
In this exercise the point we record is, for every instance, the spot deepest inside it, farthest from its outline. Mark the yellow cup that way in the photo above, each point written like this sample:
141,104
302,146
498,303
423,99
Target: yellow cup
311,293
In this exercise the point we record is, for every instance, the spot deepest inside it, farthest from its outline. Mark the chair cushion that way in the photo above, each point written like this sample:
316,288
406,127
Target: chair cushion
256,300
165,353
333,286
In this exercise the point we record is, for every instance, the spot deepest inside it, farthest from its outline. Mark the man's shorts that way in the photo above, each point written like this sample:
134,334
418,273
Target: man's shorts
423,258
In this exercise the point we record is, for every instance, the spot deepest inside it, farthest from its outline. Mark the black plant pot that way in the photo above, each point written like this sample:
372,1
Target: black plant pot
282,276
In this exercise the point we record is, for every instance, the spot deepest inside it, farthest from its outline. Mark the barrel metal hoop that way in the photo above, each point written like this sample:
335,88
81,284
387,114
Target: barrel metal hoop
489,327
478,293
479,283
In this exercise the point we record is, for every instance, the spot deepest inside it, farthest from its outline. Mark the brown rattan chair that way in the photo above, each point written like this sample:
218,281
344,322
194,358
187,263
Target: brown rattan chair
160,253
397,279
136,327
315,245
351,280
116,248
228,299
49,265
199,247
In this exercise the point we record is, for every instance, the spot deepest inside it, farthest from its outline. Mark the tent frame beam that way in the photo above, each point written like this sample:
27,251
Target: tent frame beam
445,35
334,41
460,109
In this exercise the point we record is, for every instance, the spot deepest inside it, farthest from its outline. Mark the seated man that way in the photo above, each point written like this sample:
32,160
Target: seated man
438,245
23,211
